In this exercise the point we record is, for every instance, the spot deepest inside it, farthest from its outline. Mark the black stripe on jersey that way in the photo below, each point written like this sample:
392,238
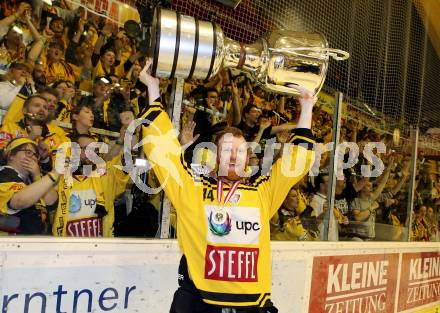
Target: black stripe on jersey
148,107
157,103
259,180
264,300
212,183
303,132
225,297
203,179
9,175
256,180
205,183
210,180
238,188
151,117
302,143
185,166
196,178
246,188
21,96
303,137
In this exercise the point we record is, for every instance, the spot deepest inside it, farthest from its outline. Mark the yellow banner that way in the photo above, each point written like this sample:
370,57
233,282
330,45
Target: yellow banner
327,103
433,309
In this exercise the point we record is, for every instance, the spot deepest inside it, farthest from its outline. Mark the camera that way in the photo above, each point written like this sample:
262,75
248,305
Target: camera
141,33
240,80
118,100
267,113
225,94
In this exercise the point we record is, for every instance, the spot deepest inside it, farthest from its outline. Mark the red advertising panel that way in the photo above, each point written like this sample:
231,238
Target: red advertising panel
354,283
420,279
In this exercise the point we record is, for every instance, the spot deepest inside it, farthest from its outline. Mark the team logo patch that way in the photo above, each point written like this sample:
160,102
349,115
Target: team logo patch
75,203
232,224
219,223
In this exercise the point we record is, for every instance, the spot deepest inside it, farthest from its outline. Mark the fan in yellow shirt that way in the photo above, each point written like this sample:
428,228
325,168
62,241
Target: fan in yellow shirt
66,93
56,68
33,125
86,205
23,192
103,61
295,220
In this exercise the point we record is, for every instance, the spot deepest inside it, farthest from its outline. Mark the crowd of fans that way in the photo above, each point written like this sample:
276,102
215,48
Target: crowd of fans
65,73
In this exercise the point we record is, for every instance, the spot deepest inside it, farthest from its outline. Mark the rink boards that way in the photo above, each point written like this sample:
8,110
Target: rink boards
117,275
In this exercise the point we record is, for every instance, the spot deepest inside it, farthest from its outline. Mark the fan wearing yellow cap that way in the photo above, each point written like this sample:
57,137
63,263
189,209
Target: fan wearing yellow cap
23,192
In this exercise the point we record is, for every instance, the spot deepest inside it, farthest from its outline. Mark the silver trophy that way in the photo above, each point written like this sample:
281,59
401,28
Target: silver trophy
184,47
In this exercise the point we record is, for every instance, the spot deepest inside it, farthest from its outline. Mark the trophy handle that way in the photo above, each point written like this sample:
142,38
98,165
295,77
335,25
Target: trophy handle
309,52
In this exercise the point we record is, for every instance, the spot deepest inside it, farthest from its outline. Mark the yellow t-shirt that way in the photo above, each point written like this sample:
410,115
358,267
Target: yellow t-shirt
98,70
292,230
61,71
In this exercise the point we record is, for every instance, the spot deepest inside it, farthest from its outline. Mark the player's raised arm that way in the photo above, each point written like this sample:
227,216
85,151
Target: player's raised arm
161,146
296,160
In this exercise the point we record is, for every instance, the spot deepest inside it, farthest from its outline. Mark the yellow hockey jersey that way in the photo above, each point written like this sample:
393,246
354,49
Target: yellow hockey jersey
228,259
79,197
64,110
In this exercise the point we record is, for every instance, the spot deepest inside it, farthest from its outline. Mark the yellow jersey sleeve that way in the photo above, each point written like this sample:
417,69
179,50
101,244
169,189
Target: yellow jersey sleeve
117,177
165,155
7,190
10,183
15,113
296,161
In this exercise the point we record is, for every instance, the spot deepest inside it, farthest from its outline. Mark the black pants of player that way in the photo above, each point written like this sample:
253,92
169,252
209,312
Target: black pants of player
185,301
187,298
